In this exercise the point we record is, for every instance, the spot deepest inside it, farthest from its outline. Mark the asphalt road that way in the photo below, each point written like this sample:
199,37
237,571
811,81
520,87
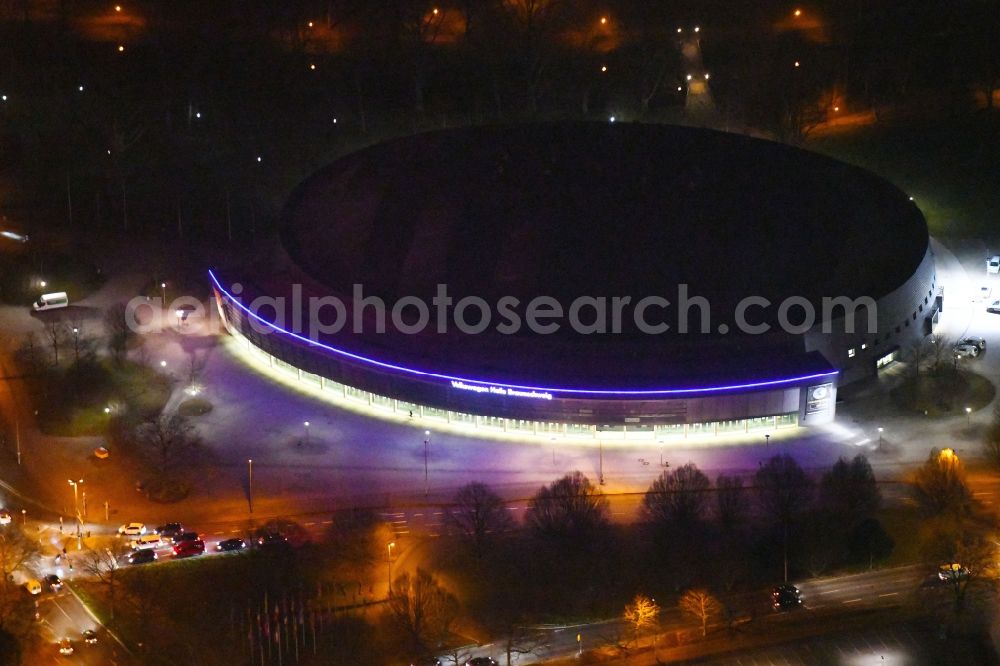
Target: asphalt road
63,616
884,588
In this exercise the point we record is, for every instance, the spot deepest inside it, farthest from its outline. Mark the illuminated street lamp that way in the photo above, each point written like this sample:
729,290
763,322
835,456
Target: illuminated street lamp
604,20
427,439
880,431
968,416
250,483
76,344
391,545
796,63
797,13
118,8
604,68
121,48
305,424
76,511
163,293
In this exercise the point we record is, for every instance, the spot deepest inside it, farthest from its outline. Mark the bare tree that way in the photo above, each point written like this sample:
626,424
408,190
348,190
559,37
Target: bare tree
519,640
118,332
168,439
571,508
478,515
358,537
105,565
991,443
730,500
784,491
17,550
702,605
421,609
850,490
677,497
55,334
641,614
939,485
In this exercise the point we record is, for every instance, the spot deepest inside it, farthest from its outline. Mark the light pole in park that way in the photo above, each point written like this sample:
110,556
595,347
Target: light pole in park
250,483
427,439
391,545
880,431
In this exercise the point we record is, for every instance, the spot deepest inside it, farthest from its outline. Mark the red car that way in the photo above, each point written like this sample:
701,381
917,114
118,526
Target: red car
189,548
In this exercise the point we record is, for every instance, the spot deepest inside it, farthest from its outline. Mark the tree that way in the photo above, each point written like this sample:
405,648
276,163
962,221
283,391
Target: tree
105,565
991,445
939,485
730,500
118,332
702,605
55,334
784,491
783,488
641,614
478,515
17,550
358,538
677,497
168,439
421,609
869,541
849,489
570,508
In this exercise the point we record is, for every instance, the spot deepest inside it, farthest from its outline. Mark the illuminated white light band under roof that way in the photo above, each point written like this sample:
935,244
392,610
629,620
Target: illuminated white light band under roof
574,392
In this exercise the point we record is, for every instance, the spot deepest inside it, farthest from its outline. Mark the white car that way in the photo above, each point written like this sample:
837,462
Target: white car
993,264
993,307
132,529
4,517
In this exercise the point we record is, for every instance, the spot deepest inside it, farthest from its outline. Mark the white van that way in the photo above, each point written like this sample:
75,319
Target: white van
993,264
51,301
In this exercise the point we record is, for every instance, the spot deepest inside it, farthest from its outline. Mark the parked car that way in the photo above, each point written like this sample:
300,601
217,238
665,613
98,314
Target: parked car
189,548
229,545
272,540
980,343
169,531
142,556
33,587
993,264
5,517
952,572
132,529
89,636
147,541
101,453
186,536
962,350
786,597
66,646
993,307
53,582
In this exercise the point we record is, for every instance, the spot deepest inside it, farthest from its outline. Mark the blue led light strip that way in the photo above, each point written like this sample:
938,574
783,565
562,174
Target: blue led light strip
481,382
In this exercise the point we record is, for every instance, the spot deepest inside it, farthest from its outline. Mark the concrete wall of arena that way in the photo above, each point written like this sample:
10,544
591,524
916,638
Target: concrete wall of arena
730,406
904,318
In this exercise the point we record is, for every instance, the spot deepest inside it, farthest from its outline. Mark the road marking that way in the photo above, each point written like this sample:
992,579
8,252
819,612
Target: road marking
417,514
852,601
984,492
312,523
889,594
831,591
327,522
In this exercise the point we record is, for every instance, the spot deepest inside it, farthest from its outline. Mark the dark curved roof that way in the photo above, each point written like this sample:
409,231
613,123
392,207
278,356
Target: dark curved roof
598,209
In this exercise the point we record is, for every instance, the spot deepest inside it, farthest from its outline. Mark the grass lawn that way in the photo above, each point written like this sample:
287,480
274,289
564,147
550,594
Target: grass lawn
949,166
71,402
945,394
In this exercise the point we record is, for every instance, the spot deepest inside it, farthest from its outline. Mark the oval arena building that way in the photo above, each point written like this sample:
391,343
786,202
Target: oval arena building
584,278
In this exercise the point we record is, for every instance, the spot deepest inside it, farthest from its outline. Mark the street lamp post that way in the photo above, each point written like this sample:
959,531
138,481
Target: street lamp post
306,424
391,545
427,439
880,431
76,344
24,517
767,438
968,416
600,461
76,510
250,484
